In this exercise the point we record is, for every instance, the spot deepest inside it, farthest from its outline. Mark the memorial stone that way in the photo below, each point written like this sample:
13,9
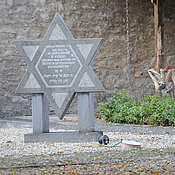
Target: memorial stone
58,67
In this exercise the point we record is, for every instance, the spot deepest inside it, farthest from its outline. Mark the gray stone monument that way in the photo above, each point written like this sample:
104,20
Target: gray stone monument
58,67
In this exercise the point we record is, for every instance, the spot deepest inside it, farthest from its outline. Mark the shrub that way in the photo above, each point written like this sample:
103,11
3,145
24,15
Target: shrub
151,110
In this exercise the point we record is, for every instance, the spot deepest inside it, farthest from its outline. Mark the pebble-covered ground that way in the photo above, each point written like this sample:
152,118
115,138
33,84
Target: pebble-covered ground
157,155
12,144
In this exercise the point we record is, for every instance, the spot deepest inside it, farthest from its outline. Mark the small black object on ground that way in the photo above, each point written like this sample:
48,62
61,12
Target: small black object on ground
103,139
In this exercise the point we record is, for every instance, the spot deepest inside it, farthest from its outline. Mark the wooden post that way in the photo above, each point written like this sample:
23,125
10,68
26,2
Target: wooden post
159,33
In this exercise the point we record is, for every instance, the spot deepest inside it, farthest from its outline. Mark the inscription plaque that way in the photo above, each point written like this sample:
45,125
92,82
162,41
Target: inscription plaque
59,66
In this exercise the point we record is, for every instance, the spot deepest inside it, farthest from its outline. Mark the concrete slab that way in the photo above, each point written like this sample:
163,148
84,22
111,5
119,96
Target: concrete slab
67,137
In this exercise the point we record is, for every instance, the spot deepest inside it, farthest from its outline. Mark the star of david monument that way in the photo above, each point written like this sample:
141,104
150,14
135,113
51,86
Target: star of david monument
58,67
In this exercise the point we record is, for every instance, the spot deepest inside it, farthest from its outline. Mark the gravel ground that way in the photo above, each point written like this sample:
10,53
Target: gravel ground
157,155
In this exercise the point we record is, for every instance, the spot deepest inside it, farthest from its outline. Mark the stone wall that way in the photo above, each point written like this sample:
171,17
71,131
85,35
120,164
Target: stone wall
169,27
29,20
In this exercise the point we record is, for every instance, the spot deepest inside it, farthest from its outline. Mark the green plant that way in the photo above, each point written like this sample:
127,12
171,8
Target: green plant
151,110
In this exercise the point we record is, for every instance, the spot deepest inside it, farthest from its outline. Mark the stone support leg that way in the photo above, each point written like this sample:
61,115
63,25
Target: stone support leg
40,114
86,112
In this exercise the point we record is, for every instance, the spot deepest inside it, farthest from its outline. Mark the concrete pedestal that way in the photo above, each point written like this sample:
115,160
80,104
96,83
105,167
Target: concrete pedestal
67,137
86,123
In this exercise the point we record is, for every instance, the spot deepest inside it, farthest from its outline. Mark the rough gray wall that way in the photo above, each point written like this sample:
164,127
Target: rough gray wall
29,19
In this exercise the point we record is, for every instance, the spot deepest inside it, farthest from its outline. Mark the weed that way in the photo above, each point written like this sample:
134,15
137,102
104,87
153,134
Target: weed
151,110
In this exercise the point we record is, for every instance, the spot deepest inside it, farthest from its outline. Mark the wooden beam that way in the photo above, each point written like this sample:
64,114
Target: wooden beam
153,1
159,34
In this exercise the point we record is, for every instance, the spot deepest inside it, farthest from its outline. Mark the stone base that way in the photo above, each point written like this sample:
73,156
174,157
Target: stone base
67,137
